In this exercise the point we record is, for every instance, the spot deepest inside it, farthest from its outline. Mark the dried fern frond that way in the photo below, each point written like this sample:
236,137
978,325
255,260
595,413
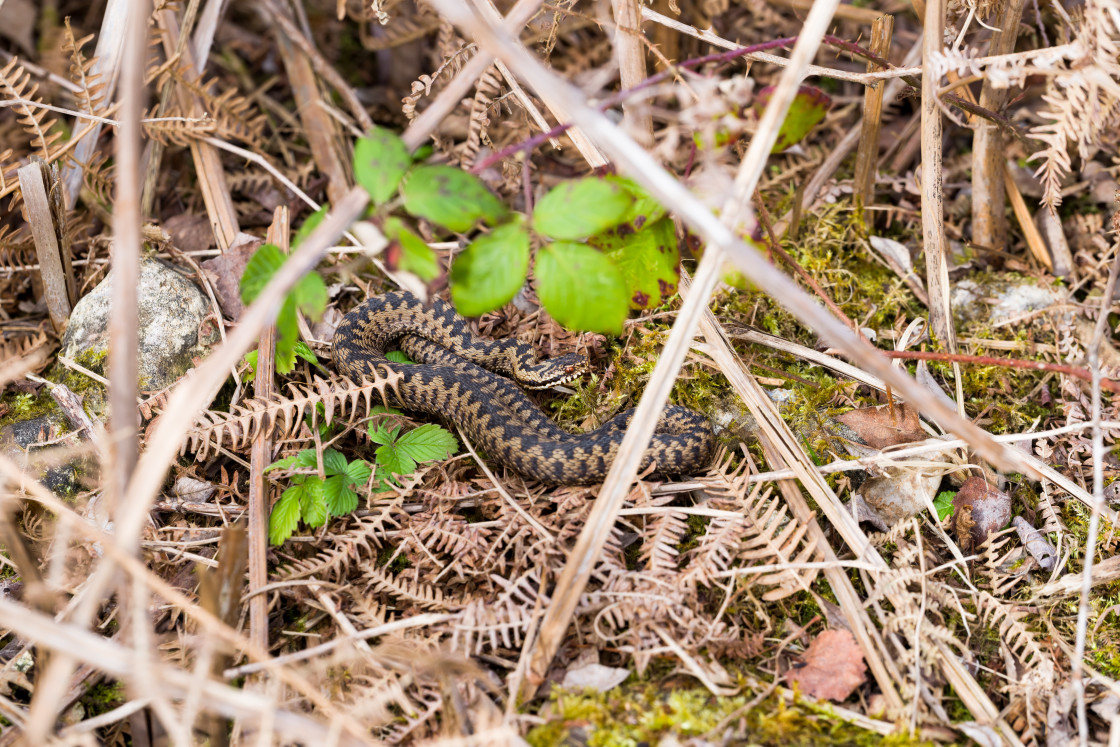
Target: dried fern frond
176,129
282,417
362,537
91,91
17,251
232,114
772,535
16,85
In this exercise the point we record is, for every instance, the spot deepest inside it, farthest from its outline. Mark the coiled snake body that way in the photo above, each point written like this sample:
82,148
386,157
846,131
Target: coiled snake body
456,378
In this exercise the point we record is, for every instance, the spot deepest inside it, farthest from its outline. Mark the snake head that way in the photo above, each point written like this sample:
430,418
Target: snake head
550,373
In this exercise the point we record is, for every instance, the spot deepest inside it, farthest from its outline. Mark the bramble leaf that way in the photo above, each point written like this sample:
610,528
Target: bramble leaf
284,518
491,270
427,443
580,208
648,260
450,197
581,288
381,160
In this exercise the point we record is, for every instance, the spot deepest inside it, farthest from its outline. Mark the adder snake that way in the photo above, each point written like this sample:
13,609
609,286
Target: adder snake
456,378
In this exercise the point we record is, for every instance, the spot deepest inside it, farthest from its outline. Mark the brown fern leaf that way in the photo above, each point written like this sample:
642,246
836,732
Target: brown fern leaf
15,85
91,93
361,538
22,346
662,535
232,114
451,535
99,177
773,535
715,551
402,30
418,593
17,251
176,129
282,417
485,626
487,88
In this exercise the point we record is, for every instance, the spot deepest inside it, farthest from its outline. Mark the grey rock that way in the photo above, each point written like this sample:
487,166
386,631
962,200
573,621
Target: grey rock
173,319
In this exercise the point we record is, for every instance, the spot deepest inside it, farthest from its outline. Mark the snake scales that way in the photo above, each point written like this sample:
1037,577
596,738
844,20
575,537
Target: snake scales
456,378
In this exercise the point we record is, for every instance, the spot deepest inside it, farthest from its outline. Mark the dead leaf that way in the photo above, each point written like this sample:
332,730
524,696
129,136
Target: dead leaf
896,495
224,273
979,509
1036,543
195,491
189,232
18,25
595,676
833,667
879,428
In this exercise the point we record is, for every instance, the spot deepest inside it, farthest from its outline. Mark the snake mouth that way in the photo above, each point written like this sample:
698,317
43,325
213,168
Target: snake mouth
564,379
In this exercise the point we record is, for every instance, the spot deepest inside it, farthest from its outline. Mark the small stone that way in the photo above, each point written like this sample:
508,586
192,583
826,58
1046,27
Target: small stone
174,321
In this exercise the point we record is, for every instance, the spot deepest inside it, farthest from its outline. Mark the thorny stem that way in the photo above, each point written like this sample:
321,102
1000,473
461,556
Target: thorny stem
985,360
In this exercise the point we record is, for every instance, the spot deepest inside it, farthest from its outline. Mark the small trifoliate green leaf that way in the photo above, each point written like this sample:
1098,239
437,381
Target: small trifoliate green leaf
380,161
313,505
339,497
395,460
396,356
491,270
581,208
581,288
358,472
284,518
450,197
428,443
944,504
306,353
416,256
379,433
334,463
310,295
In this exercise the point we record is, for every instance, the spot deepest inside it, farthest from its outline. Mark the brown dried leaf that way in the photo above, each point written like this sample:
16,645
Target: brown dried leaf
190,232
879,429
986,508
224,273
833,667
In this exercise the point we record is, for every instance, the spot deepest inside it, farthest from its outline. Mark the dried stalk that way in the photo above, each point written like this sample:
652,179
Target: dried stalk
867,154
631,55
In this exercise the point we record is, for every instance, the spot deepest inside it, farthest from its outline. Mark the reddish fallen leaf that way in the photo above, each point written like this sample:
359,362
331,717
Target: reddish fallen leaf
879,429
189,232
979,509
833,667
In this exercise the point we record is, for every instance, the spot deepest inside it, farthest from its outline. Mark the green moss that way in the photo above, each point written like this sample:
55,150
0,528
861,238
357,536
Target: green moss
645,714
102,697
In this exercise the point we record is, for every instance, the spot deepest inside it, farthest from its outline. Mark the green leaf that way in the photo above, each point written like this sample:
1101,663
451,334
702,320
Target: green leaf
581,208
283,519
396,356
581,288
303,460
450,197
649,261
287,333
807,110
427,443
310,295
309,225
334,463
313,505
338,496
259,270
645,210
416,256
307,354
358,472
380,161
395,460
249,360
944,503
379,433
382,409
491,270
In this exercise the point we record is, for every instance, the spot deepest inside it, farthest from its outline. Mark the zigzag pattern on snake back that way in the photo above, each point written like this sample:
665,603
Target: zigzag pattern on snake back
456,378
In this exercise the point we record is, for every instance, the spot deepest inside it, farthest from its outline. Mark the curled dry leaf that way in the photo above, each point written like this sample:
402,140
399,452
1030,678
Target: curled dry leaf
1036,543
596,677
896,495
978,510
880,428
833,667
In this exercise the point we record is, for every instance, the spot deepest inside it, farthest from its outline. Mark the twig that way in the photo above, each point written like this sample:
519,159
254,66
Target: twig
1094,353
